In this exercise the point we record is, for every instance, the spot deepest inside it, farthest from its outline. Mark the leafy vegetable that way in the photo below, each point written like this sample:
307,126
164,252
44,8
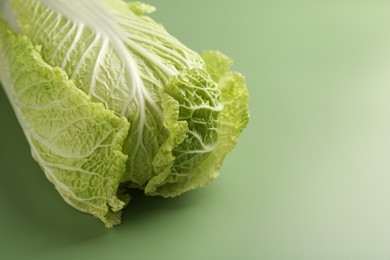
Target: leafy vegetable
109,101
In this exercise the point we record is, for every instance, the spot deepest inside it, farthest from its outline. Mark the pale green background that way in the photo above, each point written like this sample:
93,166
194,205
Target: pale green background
309,180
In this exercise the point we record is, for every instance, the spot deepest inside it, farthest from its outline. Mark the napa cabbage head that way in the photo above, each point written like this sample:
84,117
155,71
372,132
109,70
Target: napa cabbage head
109,101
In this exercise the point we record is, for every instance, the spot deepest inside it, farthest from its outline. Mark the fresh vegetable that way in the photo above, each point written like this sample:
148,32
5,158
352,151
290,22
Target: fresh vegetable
109,101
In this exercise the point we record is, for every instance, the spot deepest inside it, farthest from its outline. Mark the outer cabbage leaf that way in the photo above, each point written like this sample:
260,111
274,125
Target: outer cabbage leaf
78,143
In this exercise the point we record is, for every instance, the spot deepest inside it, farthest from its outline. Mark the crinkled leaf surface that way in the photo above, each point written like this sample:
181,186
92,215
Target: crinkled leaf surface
78,143
105,80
